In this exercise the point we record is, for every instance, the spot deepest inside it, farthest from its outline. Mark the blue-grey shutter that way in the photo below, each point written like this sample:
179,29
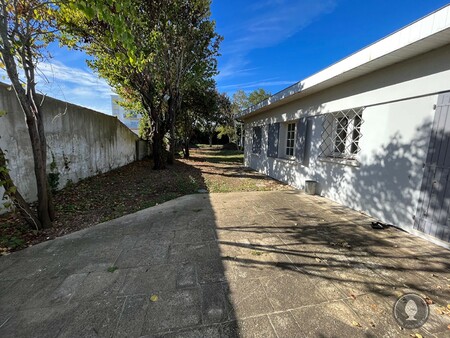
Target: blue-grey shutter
300,144
257,138
272,146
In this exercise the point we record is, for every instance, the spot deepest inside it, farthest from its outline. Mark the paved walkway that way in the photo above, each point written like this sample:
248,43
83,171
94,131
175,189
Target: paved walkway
263,264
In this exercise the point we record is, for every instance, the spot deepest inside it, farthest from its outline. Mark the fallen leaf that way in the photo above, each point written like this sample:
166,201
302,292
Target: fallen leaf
354,323
448,327
439,311
428,300
353,296
154,298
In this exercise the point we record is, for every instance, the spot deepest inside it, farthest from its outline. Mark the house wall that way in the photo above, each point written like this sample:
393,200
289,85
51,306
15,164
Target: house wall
398,119
82,142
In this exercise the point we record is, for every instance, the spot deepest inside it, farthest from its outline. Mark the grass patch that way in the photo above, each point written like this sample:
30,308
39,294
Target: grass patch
12,236
135,187
112,269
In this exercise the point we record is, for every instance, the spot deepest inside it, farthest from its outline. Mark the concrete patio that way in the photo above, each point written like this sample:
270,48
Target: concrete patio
259,264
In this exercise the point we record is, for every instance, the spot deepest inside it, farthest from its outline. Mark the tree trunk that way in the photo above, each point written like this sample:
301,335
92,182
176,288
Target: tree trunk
210,140
15,196
48,190
35,126
174,104
158,151
186,148
40,172
172,146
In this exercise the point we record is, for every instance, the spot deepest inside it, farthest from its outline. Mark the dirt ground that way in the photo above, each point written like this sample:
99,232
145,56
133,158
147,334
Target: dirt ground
135,187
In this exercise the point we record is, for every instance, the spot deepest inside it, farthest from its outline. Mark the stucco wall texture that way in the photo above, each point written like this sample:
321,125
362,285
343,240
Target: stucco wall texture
81,142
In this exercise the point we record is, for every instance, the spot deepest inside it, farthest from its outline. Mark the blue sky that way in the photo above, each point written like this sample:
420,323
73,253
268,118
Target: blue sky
268,44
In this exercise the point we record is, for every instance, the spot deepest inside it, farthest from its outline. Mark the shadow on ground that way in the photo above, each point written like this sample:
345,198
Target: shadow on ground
156,272
269,264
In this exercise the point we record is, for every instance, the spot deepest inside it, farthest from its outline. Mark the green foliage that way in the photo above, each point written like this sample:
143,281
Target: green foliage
151,54
12,242
69,183
112,269
11,236
187,185
225,130
214,110
145,128
257,96
5,181
242,101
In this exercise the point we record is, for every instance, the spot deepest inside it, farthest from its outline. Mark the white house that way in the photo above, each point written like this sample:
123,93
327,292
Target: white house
372,129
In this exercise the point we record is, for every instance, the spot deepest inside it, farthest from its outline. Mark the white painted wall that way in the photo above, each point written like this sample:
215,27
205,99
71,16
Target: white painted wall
395,135
91,142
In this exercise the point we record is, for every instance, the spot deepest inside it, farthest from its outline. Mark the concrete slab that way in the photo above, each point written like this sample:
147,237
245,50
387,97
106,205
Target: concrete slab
261,264
285,325
173,310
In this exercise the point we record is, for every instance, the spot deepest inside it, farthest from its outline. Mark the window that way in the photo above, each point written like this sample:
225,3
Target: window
341,134
290,139
256,140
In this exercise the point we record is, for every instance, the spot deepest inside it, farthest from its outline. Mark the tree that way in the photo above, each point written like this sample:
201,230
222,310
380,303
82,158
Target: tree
228,122
26,26
145,128
153,51
257,96
240,102
197,105
12,195
216,109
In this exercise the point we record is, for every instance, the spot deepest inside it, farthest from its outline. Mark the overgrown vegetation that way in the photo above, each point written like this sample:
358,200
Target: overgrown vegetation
135,187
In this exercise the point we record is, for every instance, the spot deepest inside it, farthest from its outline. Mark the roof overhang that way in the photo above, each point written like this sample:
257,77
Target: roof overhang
421,36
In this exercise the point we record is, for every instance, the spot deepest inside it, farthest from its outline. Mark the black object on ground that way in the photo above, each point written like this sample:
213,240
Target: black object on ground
378,225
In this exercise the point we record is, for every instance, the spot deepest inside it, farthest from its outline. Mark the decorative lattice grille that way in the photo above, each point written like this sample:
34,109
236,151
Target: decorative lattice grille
341,133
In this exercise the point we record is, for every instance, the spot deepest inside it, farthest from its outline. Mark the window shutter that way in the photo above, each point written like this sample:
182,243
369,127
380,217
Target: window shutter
274,132
256,141
300,144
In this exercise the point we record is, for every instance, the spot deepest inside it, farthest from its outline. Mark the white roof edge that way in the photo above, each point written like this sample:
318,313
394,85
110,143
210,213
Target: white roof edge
414,32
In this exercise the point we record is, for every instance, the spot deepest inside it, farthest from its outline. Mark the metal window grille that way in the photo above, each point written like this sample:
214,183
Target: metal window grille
290,139
341,133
